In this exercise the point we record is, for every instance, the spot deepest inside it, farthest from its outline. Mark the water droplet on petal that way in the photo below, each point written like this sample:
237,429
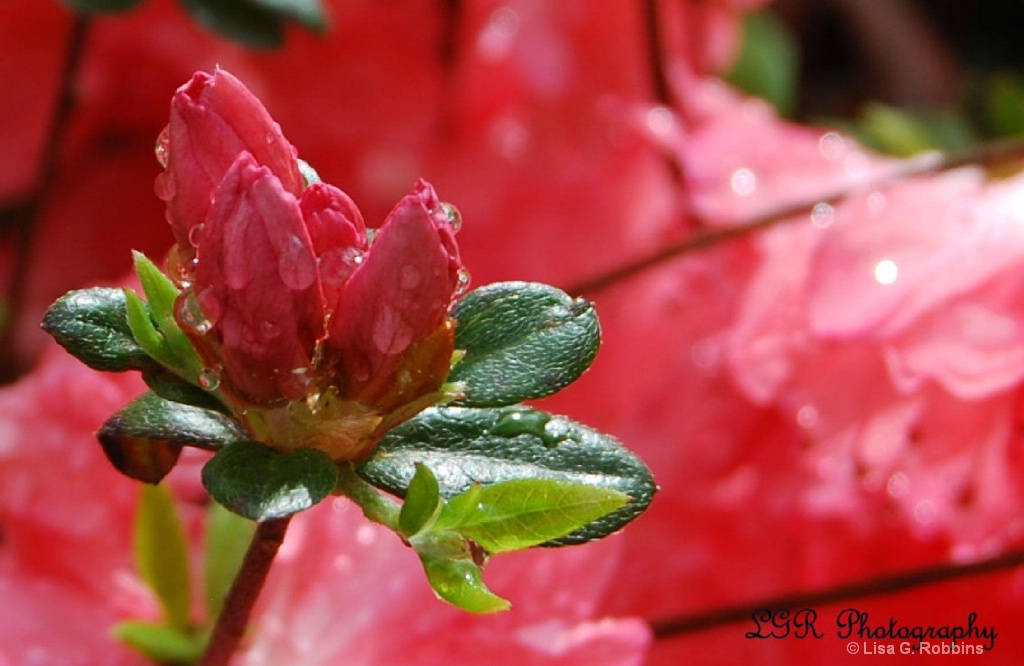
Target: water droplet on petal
743,182
353,257
831,145
462,282
898,485
162,150
209,379
822,215
190,314
452,216
886,271
556,431
195,234
807,417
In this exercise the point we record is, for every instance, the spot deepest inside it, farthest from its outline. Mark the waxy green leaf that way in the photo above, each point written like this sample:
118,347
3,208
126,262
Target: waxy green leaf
172,387
161,554
463,447
309,13
459,583
261,484
522,341
520,513
422,501
240,20
144,439
161,643
92,325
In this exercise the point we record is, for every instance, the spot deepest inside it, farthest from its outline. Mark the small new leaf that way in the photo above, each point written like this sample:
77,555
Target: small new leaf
459,583
159,642
161,554
143,328
261,484
162,295
522,341
520,513
92,325
227,538
422,501
463,447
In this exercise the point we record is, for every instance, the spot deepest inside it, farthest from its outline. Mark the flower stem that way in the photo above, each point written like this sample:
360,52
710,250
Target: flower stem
376,506
233,620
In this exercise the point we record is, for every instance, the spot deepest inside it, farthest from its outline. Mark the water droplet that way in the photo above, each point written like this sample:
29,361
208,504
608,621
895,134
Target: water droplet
190,314
925,511
162,150
886,271
743,182
556,431
462,282
271,138
269,330
661,122
195,234
822,215
521,422
898,485
209,379
352,257
831,145
807,417
452,216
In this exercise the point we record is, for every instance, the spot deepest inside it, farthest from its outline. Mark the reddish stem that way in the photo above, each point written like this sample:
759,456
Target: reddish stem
233,620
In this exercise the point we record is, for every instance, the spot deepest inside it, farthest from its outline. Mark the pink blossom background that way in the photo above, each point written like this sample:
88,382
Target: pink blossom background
824,401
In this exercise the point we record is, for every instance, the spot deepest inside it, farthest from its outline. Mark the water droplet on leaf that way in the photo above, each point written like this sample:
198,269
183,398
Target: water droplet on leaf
162,150
822,215
209,379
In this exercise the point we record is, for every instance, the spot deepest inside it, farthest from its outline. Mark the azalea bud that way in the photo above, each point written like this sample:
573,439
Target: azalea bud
316,337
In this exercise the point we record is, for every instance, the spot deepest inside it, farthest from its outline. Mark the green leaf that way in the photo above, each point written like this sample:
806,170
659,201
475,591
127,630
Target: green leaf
241,20
161,554
768,63
102,5
159,642
144,439
522,341
520,513
92,325
227,539
459,583
261,484
422,501
463,447
309,13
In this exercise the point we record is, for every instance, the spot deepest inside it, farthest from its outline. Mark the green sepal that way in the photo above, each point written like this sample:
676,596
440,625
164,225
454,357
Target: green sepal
522,341
261,484
520,513
92,325
240,20
162,295
172,387
144,439
159,642
459,583
422,501
102,5
161,554
144,330
463,447
227,539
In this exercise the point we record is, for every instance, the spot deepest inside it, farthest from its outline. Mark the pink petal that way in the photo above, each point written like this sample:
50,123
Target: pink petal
338,233
401,292
257,282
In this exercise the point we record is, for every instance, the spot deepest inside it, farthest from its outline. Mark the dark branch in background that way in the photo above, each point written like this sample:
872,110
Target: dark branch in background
659,78
451,12
20,218
929,163
704,620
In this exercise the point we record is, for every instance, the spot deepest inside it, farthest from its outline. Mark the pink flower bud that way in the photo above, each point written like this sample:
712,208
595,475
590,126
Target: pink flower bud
213,119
